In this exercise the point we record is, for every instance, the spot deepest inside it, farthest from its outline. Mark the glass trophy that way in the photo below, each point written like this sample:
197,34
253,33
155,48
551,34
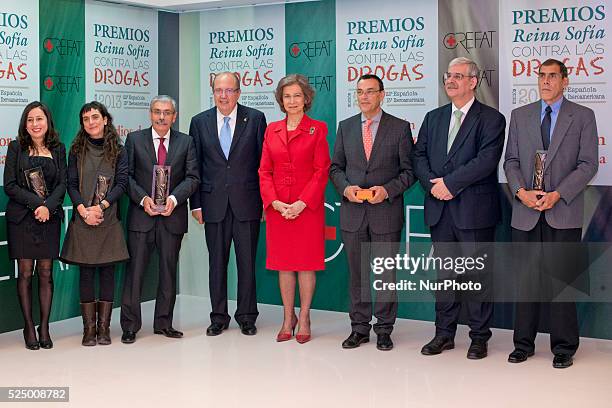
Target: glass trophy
36,181
102,186
538,170
160,187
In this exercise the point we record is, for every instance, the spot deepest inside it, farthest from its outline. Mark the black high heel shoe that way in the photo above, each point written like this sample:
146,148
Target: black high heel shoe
46,343
31,344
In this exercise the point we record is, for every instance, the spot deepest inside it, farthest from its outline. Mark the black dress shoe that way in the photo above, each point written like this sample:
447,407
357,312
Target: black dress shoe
354,340
477,350
519,356
383,342
248,328
437,345
45,343
562,360
216,329
128,337
169,332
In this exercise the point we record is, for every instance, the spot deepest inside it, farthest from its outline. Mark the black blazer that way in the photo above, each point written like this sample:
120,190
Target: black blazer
469,169
389,166
233,181
21,199
184,178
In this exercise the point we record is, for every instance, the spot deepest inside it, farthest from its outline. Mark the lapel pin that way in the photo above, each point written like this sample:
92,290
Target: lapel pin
312,130
245,119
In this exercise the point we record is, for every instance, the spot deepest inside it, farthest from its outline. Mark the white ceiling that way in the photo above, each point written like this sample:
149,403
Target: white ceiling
180,6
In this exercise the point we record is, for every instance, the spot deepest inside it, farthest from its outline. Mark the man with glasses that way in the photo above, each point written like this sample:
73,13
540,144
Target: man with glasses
371,169
229,140
151,227
567,133
455,159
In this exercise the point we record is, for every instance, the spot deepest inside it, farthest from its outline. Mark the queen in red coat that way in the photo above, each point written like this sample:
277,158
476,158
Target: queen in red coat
293,175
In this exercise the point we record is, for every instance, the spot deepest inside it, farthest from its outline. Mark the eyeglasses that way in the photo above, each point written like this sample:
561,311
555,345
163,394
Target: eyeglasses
228,92
456,76
367,92
158,112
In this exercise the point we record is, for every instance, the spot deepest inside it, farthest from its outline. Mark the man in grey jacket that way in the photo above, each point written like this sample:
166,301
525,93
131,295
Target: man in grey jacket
567,133
372,152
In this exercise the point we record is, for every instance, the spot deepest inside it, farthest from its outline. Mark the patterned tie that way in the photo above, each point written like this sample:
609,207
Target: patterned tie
453,133
226,136
367,138
545,128
161,152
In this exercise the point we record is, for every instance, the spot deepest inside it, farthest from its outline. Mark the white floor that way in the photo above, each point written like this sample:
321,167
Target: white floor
233,370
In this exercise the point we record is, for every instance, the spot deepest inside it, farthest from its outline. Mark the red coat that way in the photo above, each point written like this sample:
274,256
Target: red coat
295,167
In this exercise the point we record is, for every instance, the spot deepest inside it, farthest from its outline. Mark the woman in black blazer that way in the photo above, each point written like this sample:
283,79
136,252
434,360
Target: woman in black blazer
35,182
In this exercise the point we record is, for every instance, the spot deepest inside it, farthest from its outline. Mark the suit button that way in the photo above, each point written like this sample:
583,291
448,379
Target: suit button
367,172
229,167
227,185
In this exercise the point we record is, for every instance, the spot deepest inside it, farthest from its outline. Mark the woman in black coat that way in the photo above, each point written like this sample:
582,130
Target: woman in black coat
35,182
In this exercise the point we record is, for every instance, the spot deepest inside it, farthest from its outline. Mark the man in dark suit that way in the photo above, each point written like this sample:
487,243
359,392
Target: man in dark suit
455,159
228,140
567,131
372,152
150,227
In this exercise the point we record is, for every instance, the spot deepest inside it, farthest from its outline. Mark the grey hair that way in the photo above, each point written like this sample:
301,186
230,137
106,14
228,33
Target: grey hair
472,67
164,99
227,73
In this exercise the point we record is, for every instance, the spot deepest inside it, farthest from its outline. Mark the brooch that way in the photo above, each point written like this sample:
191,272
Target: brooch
312,130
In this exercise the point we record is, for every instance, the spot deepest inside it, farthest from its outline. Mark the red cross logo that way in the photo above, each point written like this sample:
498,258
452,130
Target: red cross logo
48,46
49,83
451,41
295,50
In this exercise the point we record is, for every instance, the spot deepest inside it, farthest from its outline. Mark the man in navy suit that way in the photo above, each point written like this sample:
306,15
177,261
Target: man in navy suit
455,159
228,140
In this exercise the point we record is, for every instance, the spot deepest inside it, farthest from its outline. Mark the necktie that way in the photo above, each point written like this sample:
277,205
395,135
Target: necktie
367,138
453,133
545,128
226,136
161,152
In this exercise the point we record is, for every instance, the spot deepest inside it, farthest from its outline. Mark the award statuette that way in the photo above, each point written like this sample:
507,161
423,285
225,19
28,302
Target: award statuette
161,187
36,181
538,170
102,186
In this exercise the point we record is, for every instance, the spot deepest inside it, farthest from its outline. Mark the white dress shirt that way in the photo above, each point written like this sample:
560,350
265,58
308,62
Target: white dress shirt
464,109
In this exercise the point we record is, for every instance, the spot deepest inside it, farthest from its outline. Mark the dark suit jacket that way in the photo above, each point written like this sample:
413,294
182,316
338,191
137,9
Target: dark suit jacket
233,181
469,169
21,199
571,163
184,178
389,166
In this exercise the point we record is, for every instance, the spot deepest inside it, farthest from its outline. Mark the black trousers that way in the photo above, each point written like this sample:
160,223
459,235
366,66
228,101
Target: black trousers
140,246
385,304
219,237
543,274
450,302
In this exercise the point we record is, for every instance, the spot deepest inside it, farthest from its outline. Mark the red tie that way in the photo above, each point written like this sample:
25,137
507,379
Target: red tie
367,138
161,152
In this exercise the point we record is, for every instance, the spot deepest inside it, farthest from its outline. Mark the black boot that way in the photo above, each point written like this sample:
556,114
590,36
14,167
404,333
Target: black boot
88,311
104,316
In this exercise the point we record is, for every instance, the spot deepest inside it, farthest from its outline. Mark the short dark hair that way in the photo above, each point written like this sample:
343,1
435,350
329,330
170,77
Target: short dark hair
562,67
372,76
293,79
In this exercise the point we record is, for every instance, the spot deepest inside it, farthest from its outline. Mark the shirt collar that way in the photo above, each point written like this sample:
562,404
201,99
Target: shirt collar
233,115
375,119
555,106
156,136
465,109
